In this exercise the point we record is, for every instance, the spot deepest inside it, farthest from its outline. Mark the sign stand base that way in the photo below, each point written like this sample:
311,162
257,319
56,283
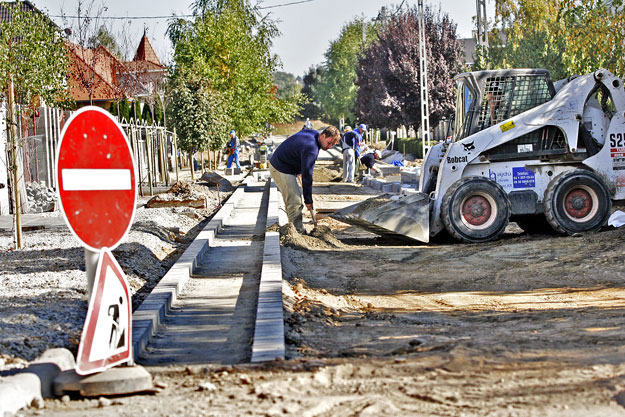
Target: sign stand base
114,381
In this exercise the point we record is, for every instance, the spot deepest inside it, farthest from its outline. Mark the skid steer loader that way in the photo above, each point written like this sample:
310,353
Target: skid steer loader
524,149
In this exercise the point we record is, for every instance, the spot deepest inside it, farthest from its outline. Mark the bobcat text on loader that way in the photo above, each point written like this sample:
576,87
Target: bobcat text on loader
524,149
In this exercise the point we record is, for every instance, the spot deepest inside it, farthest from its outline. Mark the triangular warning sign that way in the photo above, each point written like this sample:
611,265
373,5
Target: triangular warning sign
106,336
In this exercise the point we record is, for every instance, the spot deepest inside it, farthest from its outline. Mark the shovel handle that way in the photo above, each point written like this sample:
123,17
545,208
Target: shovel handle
314,216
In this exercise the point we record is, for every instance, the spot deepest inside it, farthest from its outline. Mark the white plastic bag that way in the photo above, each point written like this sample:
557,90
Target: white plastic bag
617,219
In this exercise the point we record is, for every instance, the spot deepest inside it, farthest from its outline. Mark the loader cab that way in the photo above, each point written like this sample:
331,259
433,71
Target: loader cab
486,98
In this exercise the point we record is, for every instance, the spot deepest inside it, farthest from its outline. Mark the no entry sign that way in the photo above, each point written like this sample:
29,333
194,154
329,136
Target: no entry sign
96,178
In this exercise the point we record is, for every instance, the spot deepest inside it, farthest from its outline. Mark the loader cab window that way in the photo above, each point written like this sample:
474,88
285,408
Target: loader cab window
509,95
464,100
494,107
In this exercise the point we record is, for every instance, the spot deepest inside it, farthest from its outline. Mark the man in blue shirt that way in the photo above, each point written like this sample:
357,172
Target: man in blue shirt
350,143
233,149
295,156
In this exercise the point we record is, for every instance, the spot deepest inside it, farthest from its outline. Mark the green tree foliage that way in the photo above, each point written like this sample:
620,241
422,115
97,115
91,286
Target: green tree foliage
336,90
286,83
124,110
146,114
33,56
530,29
34,64
594,35
389,75
227,45
104,38
158,112
197,113
565,36
311,108
113,108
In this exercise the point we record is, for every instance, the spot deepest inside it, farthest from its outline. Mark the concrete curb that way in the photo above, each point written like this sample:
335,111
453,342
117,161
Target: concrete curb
36,381
268,342
148,317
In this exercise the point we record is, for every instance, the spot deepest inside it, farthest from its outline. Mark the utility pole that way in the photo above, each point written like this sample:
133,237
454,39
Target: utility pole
482,24
423,82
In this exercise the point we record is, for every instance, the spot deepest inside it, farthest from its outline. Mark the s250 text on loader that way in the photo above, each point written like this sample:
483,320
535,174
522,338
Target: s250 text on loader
524,149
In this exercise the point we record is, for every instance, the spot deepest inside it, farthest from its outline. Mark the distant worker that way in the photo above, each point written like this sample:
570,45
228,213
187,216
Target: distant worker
350,144
308,124
368,160
233,149
360,146
295,156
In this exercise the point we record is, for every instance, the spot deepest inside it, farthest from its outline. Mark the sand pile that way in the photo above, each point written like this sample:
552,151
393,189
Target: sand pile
320,238
327,173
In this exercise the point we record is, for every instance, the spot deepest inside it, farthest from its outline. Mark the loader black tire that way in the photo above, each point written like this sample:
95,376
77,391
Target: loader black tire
577,202
475,209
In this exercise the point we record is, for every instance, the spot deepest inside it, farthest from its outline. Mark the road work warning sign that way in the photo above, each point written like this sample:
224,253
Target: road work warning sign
106,335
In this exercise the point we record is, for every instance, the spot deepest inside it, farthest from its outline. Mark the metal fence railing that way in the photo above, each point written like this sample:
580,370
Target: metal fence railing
39,131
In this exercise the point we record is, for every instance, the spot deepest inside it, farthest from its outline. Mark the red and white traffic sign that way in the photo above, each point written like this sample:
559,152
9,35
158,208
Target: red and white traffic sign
106,336
97,184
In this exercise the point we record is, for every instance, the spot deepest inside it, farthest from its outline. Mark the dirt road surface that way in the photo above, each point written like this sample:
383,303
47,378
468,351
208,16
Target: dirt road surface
529,325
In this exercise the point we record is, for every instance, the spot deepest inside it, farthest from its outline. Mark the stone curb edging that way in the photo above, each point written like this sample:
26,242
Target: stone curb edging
36,381
269,342
147,318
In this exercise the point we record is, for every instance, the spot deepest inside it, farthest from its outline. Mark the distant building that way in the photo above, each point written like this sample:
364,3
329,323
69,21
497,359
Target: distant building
98,76
144,72
468,48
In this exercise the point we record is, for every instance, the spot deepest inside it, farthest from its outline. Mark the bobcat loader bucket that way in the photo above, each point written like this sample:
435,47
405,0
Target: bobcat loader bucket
406,216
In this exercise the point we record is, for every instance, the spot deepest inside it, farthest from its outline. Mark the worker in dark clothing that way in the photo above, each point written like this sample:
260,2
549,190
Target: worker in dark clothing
295,156
369,159
350,145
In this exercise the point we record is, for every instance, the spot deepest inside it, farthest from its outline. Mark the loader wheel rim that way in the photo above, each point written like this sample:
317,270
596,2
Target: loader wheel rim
479,211
581,203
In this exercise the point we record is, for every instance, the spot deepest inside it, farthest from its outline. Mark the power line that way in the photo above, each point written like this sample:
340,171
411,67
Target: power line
286,4
167,17
121,17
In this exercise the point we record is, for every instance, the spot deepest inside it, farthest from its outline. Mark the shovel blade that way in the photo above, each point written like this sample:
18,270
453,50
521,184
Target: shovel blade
405,216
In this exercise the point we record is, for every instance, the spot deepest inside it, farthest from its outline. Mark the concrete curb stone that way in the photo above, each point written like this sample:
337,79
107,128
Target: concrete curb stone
269,329
148,317
36,381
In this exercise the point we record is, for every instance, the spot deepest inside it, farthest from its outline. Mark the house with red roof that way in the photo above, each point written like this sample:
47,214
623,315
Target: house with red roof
99,78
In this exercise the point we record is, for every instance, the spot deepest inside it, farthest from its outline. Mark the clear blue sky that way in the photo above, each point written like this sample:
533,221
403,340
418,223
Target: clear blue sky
307,28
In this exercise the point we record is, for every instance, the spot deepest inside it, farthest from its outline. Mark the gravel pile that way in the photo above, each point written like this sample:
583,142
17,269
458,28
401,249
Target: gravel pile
41,198
43,287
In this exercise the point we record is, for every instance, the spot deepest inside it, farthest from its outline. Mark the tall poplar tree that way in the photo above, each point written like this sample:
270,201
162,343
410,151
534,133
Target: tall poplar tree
227,48
336,89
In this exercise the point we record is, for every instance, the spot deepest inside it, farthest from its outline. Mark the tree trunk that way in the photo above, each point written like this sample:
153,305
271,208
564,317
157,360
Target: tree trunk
176,154
191,161
17,202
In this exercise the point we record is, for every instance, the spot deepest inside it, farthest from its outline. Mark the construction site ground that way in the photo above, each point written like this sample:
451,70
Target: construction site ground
528,325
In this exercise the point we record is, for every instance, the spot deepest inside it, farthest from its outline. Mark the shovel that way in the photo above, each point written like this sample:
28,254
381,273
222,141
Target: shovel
314,217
